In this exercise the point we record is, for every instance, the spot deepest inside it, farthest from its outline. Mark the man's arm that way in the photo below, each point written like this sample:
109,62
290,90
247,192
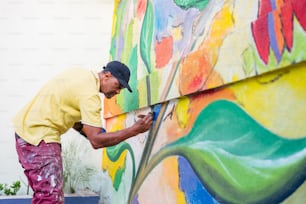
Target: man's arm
100,140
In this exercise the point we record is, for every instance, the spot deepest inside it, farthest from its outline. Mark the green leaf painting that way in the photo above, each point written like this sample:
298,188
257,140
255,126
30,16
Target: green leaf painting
114,153
186,4
236,158
146,37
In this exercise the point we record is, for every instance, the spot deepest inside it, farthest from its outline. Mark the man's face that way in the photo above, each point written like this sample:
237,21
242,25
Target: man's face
110,86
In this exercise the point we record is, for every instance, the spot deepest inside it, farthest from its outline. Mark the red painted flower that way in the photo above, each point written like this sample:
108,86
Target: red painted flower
274,26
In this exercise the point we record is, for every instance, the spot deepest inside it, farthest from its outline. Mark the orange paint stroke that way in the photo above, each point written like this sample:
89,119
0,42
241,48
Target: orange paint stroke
278,31
141,8
163,51
197,67
279,3
111,108
194,70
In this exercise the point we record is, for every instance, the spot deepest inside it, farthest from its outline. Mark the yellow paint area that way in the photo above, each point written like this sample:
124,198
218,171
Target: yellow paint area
176,33
222,25
114,124
116,3
181,111
142,88
172,178
113,167
276,100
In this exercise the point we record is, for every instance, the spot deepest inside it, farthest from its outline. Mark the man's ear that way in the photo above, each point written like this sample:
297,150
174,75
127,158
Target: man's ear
107,74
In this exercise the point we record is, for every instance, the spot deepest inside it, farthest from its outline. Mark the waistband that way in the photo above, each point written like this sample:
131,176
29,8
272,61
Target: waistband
17,136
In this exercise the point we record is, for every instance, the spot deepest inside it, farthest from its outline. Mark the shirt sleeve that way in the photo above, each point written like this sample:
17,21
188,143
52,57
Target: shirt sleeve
90,108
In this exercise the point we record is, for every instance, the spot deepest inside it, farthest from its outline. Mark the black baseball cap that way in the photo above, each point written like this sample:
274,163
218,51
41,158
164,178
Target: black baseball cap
120,71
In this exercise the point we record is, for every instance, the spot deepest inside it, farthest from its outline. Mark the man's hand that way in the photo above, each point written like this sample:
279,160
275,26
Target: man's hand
144,123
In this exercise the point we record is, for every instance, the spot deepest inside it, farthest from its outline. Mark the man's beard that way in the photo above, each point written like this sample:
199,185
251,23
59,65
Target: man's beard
110,95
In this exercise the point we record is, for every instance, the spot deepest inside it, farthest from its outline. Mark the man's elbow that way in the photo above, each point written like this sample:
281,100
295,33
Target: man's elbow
95,145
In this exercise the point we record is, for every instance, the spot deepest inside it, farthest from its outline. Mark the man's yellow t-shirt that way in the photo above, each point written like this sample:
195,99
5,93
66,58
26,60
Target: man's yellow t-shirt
68,98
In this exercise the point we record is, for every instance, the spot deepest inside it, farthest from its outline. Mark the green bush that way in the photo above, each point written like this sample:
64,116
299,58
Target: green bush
5,189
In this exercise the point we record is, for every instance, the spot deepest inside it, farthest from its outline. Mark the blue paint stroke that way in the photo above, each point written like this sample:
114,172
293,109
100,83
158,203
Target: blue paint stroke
272,36
190,184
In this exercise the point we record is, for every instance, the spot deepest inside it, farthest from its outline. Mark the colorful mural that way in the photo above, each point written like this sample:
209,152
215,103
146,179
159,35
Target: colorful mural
225,80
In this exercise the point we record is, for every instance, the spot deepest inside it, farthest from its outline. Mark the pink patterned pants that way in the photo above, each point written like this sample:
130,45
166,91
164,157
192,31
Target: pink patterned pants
44,169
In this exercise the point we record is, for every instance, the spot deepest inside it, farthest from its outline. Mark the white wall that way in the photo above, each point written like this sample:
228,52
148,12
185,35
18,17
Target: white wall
38,39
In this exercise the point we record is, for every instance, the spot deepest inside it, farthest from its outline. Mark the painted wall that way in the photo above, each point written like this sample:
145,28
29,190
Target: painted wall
227,81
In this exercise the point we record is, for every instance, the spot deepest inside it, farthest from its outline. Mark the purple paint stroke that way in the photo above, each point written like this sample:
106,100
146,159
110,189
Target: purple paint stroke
168,16
272,36
135,200
119,44
273,4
